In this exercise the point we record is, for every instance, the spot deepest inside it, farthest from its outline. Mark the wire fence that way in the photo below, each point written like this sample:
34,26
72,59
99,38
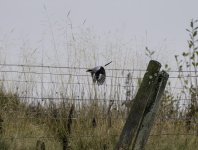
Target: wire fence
20,78
45,85
56,80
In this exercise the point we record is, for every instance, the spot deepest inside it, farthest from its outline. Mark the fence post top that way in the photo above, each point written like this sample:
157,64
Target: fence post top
153,66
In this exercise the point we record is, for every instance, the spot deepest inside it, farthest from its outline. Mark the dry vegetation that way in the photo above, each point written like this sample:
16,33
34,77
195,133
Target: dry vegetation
87,128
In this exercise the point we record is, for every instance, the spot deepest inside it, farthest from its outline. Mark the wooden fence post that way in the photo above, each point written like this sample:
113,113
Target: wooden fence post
151,111
135,116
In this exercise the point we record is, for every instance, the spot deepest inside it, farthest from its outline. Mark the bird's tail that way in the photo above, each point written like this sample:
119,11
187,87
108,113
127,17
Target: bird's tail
89,70
108,63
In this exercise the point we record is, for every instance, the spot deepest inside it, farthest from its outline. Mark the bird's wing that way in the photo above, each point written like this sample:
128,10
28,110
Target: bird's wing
92,71
93,77
101,79
101,76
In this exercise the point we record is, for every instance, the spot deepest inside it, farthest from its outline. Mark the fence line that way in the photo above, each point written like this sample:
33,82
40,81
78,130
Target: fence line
58,98
102,100
85,68
86,75
65,67
77,83
57,74
66,83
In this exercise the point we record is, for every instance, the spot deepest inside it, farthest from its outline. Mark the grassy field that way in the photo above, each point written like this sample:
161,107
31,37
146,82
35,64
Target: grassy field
91,127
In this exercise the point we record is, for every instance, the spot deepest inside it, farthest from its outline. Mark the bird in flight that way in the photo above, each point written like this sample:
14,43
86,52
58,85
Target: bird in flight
98,74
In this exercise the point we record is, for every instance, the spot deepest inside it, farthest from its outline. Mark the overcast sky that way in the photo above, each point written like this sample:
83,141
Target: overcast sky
158,24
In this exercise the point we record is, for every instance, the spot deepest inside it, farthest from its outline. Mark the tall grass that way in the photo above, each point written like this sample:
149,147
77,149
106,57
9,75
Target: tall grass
24,125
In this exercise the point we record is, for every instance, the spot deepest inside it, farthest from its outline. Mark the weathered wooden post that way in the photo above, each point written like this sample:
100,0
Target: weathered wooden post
135,116
151,111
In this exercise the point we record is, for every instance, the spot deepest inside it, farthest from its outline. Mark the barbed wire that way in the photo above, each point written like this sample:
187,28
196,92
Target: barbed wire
64,67
60,74
77,83
84,68
84,75
58,98
65,83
